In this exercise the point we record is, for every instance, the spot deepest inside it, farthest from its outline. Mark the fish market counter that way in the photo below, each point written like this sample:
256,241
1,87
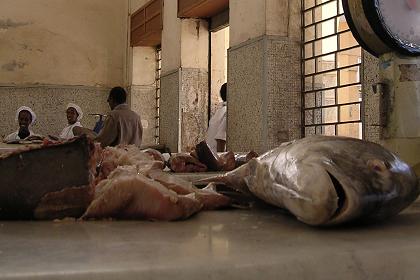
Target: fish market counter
228,244
6,148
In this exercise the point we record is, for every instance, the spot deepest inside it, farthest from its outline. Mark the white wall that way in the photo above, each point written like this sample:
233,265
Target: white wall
246,20
277,17
144,66
143,90
63,42
57,51
219,44
194,43
252,18
171,37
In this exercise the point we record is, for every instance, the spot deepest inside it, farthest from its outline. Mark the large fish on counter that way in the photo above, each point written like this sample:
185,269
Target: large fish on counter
327,180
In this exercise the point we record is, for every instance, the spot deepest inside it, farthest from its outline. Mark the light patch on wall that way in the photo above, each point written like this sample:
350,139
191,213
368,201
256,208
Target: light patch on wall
28,48
409,73
144,124
13,66
6,24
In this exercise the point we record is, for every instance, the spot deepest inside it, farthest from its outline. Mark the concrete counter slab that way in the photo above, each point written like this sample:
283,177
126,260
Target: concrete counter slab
6,148
227,244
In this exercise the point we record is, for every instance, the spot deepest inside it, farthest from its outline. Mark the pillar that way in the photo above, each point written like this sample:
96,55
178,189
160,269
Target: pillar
184,80
264,76
143,90
400,84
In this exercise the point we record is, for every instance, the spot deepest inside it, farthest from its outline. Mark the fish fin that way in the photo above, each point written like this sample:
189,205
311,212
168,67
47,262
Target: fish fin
219,179
235,179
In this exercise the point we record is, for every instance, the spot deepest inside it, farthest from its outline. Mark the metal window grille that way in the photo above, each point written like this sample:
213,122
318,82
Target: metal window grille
331,60
157,91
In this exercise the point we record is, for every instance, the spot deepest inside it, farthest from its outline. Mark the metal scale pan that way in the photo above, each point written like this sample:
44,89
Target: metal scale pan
383,26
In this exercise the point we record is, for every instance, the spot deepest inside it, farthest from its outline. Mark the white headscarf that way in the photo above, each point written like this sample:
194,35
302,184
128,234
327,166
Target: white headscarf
78,110
25,108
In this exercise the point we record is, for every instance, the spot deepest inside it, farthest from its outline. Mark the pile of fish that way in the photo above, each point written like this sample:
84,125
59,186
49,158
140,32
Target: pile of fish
79,179
202,159
327,180
322,180
133,185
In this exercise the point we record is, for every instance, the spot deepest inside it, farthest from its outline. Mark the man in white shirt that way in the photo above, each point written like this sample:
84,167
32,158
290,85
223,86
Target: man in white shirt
74,114
25,117
216,133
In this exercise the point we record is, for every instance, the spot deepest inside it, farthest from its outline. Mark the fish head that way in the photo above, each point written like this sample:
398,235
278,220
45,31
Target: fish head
347,179
303,188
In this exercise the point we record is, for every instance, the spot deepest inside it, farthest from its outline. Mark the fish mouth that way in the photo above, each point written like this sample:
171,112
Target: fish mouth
341,195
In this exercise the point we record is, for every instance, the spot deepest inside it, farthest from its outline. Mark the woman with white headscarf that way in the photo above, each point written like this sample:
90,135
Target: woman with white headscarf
25,117
74,115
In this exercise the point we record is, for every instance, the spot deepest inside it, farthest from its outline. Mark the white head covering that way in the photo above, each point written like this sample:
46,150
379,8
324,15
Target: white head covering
78,110
25,108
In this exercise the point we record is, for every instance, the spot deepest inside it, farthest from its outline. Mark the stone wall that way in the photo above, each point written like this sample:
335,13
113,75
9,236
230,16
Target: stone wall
183,103
370,76
284,91
264,93
169,107
193,103
245,108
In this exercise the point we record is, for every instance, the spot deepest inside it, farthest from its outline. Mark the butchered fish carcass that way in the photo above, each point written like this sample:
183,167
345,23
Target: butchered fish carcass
327,180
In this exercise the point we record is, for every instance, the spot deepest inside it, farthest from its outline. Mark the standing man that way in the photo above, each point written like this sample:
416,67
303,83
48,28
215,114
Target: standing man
122,125
216,133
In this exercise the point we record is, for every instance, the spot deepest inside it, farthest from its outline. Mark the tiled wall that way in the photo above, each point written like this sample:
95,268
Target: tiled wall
263,93
194,102
186,103
245,106
169,108
283,89
370,76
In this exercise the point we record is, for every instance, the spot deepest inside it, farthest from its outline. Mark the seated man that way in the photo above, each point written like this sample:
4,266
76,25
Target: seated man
74,114
121,126
25,117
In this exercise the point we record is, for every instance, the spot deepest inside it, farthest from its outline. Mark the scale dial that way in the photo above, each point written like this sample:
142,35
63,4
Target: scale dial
401,20
396,23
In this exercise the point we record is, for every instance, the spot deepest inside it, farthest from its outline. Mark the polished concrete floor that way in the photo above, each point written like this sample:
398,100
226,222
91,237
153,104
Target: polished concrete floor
227,244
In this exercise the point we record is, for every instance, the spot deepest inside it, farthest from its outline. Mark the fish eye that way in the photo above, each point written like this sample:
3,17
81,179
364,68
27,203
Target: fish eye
378,165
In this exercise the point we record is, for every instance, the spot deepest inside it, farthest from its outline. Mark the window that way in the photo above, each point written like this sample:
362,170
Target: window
157,78
332,102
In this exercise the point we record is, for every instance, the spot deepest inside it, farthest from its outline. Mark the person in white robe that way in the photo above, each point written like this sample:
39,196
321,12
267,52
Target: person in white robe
74,115
216,132
25,118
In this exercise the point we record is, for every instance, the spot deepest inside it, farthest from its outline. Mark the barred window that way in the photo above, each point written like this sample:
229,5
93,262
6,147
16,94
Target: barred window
332,99
157,78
